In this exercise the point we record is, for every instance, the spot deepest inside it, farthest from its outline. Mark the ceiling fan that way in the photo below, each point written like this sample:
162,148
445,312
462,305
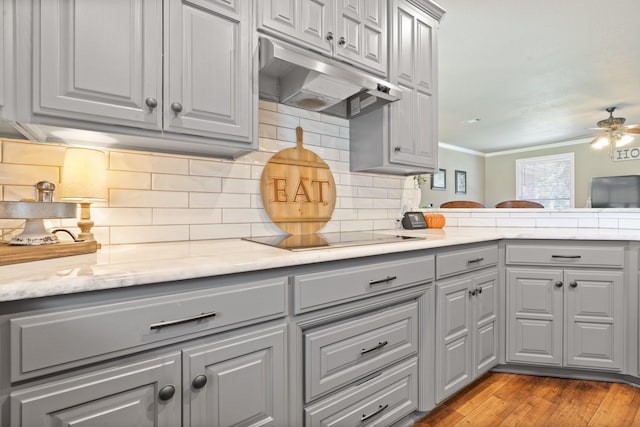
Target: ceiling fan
615,132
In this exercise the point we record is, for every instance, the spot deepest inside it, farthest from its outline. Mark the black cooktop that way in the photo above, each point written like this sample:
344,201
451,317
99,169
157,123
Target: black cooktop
306,242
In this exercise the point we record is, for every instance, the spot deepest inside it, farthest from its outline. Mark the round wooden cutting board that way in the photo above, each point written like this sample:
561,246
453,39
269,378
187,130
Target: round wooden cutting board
297,189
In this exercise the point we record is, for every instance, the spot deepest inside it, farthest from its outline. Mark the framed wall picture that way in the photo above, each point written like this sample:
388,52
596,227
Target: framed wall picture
461,182
439,180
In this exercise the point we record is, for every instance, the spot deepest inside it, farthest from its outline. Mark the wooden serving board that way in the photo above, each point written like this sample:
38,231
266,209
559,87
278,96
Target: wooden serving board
16,254
297,189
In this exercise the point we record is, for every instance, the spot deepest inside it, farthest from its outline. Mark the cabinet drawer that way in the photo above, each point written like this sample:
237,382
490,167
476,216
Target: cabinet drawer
380,401
565,254
317,290
345,351
43,343
461,261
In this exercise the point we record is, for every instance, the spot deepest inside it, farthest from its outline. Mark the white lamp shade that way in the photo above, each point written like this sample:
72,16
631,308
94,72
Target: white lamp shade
84,175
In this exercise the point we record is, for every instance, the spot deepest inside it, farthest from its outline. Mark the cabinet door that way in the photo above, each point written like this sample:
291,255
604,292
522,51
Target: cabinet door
238,381
413,67
6,59
137,394
209,69
361,33
594,313
98,61
453,337
305,22
534,315
485,318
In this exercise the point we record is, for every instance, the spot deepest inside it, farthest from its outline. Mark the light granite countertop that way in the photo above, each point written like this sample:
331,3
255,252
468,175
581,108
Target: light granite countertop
120,266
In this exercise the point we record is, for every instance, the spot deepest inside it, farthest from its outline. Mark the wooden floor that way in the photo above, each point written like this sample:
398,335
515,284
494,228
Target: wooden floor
520,400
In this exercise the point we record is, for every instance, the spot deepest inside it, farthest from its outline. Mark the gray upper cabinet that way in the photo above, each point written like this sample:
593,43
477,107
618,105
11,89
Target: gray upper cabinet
413,66
309,23
91,64
361,33
208,79
352,31
7,97
402,137
164,70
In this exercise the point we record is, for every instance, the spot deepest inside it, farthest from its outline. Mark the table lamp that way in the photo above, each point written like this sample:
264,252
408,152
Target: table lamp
84,180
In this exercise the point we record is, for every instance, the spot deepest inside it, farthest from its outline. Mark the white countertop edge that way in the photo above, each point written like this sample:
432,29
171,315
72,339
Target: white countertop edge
121,266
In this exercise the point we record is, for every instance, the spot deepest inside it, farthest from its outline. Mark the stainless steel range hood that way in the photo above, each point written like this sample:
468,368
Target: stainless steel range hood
304,79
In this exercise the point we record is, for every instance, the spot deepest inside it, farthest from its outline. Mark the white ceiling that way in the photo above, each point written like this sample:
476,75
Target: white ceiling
535,71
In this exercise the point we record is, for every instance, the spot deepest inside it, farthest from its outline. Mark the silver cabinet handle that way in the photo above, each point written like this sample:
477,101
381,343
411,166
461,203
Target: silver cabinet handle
342,41
195,318
377,347
176,107
329,36
167,392
397,148
380,409
151,102
385,280
472,293
475,260
567,256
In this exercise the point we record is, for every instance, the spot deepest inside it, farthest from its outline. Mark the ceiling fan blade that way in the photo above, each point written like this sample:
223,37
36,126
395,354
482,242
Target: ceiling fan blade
635,131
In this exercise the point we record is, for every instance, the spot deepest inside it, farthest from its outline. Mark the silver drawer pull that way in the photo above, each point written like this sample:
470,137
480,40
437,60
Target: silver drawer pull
385,280
475,260
567,256
197,317
379,346
380,409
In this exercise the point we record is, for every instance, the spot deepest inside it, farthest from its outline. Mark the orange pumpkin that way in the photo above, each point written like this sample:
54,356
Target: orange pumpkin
434,220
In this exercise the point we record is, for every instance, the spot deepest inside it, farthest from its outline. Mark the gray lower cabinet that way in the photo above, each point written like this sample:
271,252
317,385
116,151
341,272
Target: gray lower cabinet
240,381
146,393
466,329
569,317
566,304
234,381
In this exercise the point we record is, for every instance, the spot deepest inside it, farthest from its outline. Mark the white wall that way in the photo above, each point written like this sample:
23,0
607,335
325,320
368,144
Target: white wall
159,197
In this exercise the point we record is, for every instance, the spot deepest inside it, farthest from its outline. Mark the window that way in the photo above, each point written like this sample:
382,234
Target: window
547,180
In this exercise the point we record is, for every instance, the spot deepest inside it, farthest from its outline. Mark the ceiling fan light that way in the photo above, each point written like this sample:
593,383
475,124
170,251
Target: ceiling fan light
623,140
600,143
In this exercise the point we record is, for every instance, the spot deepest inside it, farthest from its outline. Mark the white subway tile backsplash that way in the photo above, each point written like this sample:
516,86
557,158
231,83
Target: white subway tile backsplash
322,128
241,216
17,174
219,231
371,192
557,222
219,200
33,154
267,105
267,131
359,225
14,193
222,169
166,216
150,233
240,186
148,163
278,119
164,182
121,216
298,112
148,199
129,180
334,142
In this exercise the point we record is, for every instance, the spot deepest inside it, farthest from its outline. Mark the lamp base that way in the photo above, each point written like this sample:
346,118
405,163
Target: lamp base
34,234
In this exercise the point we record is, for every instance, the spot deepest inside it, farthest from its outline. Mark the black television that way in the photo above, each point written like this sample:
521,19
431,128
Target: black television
615,191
